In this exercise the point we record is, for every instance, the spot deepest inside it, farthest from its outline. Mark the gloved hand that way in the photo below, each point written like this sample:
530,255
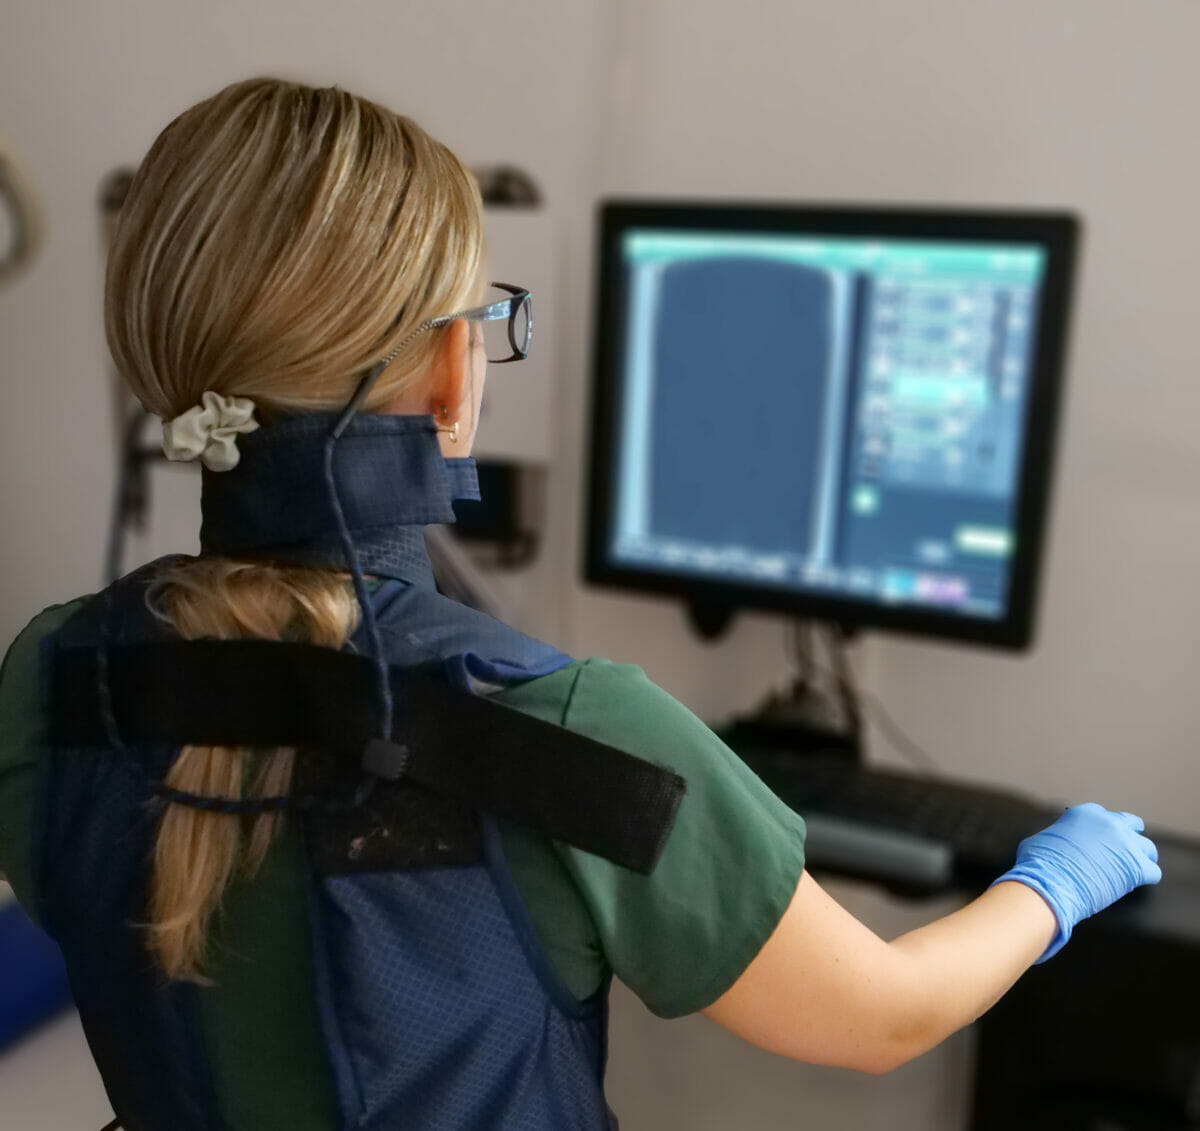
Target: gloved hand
1090,857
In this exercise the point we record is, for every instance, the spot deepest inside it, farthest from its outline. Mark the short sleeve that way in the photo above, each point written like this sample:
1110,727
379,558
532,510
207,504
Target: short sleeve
681,936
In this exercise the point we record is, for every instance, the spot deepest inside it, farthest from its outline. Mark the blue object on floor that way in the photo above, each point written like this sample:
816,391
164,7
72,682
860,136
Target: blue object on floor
33,978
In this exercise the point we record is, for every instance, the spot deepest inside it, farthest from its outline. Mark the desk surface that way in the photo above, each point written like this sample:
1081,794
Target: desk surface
909,862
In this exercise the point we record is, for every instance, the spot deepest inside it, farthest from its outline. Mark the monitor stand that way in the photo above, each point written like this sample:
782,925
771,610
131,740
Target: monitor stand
819,712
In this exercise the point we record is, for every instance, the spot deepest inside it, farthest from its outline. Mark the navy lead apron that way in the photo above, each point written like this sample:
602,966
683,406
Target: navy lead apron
438,1008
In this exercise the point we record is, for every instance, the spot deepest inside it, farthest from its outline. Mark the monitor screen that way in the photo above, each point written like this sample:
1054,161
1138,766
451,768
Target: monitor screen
841,413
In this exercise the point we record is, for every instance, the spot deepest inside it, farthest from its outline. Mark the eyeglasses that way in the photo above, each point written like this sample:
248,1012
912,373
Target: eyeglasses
507,324
507,331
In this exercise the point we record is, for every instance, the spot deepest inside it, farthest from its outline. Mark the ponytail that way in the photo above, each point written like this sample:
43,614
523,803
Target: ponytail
198,852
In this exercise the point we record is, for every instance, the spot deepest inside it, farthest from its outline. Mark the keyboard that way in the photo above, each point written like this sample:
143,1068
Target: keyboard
913,833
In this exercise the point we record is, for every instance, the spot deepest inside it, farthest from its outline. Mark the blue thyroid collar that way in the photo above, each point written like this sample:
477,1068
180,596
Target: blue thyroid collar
392,481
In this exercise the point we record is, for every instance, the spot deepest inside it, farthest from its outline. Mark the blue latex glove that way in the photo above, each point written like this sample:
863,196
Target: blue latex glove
1090,857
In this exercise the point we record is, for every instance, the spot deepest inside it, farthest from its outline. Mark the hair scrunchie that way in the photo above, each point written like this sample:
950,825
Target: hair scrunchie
209,431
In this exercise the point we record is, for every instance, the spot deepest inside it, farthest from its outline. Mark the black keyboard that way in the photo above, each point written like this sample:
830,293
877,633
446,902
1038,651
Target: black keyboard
910,832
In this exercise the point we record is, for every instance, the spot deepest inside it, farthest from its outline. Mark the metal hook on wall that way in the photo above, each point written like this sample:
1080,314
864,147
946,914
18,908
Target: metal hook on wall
24,217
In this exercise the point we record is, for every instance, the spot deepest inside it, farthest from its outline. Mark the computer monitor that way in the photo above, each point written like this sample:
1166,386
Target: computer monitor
843,413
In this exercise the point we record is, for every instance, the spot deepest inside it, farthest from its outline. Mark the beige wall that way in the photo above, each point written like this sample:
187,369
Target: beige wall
1083,104
1089,104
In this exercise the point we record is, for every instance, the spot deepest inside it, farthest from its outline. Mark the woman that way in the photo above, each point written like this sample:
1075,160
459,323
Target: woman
295,287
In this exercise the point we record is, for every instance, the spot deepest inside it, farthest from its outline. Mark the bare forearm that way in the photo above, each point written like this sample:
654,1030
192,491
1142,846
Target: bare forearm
827,989
957,967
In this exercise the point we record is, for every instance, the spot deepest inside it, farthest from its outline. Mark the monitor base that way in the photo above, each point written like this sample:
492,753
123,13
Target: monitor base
810,716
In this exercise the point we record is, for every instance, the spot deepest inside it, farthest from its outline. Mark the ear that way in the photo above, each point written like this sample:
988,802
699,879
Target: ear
449,372
446,379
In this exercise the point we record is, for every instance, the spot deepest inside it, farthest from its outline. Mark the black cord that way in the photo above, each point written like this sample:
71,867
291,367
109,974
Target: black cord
802,656
252,806
857,701
836,639
900,741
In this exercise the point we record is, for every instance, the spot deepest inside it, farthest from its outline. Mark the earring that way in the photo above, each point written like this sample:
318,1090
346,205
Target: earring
453,431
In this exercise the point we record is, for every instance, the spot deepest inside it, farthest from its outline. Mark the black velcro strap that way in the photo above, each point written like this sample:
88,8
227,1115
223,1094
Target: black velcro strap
461,746
570,787
216,693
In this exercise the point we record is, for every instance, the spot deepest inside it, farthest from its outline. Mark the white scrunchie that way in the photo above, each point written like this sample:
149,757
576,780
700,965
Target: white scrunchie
209,431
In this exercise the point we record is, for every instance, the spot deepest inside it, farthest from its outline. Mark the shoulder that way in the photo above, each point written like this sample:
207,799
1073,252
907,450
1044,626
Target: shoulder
20,673
420,626
22,654
682,935
583,687
619,704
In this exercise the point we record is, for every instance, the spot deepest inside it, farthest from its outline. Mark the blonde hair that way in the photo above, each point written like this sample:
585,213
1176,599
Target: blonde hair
276,242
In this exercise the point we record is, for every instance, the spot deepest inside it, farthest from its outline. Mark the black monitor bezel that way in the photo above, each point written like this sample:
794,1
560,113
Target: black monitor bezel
1056,231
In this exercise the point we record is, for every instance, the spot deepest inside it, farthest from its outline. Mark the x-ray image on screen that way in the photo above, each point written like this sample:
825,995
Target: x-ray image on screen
731,369
836,414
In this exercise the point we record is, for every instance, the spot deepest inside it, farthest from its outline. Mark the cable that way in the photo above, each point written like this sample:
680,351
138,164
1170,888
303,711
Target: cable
836,638
360,584
856,700
900,741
